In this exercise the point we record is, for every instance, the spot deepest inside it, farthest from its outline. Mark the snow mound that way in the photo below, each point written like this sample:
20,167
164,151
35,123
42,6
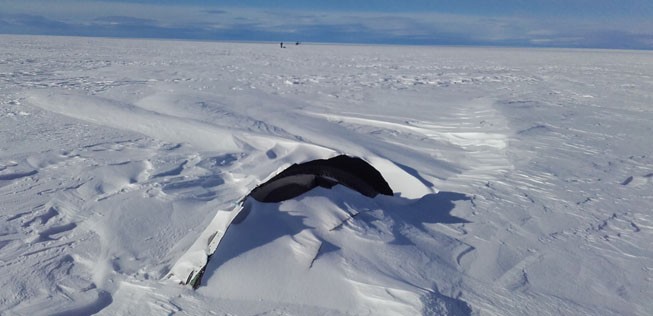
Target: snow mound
336,249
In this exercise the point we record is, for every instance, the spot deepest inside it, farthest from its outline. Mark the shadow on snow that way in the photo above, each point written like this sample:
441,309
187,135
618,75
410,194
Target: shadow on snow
401,212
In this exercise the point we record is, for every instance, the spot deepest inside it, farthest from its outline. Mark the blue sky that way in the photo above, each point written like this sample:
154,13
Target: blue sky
625,24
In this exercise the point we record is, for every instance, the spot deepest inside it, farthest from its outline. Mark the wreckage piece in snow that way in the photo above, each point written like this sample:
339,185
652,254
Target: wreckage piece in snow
297,179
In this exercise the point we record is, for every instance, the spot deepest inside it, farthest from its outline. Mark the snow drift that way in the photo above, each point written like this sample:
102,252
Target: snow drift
521,179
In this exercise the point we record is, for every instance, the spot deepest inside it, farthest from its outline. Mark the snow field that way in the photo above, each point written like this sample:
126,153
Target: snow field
523,178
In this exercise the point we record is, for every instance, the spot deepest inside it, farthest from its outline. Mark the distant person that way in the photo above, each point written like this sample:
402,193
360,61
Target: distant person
281,45
296,43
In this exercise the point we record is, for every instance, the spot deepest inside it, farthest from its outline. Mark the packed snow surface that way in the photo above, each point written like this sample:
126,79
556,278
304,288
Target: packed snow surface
523,179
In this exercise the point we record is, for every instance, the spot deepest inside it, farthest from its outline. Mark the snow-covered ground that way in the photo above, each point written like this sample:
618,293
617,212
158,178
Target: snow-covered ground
523,178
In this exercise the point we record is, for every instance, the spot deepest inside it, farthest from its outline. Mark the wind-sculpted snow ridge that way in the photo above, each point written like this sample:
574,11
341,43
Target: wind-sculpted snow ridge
522,179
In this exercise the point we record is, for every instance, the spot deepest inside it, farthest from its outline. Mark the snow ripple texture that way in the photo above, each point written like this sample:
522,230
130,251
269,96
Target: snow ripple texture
524,178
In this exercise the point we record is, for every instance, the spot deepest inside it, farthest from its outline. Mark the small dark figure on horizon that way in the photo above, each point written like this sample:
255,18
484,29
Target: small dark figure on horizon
281,45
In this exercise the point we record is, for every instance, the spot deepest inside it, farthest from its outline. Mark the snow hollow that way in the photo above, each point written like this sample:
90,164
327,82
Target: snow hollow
523,178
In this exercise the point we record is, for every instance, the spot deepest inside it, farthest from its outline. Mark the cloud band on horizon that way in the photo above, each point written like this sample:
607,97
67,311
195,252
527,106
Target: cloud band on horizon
143,20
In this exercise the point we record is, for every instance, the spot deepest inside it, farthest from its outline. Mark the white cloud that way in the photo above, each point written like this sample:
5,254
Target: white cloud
253,24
